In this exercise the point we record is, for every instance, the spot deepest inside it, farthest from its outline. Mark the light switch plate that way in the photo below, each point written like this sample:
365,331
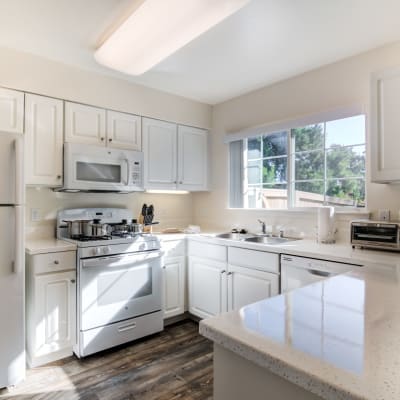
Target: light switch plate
35,214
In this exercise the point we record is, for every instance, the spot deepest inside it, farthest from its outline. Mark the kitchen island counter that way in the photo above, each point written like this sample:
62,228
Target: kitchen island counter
335,339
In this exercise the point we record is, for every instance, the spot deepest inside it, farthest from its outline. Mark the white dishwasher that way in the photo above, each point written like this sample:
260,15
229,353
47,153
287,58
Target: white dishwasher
301,271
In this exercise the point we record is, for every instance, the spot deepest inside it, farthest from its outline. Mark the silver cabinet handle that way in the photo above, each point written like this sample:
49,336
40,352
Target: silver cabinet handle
110,140
223,271
319,273
102,139
56,262
229,273
73,281
180,182
58,176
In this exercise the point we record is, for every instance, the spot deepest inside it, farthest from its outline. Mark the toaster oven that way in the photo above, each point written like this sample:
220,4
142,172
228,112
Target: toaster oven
375,234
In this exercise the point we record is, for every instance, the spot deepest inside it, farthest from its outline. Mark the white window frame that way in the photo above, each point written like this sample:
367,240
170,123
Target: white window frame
288,126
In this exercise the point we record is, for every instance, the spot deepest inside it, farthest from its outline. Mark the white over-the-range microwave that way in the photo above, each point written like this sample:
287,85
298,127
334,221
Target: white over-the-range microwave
90,168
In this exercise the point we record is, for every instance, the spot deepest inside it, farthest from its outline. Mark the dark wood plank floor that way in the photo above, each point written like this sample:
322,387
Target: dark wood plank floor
174,364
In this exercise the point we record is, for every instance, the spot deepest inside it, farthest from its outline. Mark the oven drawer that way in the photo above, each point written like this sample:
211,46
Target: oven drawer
53,262
104,337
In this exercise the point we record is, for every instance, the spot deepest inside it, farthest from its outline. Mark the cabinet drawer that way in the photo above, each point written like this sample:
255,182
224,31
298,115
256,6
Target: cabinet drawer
53,262
206,250
173,248
254,259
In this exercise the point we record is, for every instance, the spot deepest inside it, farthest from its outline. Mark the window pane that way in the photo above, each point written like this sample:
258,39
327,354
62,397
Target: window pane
274,196
254,172
254,148
346,192
309,194
309,165
346,131
275,170
308,138
343,162
275,144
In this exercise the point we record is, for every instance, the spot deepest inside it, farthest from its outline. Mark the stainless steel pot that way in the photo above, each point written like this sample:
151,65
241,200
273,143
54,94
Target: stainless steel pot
77,227
136,227
96,229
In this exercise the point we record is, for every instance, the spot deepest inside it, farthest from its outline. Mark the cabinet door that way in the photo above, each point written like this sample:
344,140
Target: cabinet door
160,154
385,126
174,286
124,131
207,287
43,140
246,286
85,124
11,111
192,158
55,312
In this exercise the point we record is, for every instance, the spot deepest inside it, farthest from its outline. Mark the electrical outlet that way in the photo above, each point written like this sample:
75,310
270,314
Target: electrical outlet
35,214
384,215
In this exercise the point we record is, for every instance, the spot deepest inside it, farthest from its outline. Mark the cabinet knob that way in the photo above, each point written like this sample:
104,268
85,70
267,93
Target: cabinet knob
102,139
56,262
58,176
229,273
180,182
164,267
223,271
110,140
73,281
175,182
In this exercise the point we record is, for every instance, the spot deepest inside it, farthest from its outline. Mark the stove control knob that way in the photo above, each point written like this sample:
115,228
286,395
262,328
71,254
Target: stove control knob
96,251
106,250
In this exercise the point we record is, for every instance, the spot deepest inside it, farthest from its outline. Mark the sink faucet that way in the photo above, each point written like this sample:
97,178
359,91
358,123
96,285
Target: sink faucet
263,228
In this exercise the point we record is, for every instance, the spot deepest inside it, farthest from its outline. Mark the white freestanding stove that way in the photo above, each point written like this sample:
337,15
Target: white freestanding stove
119,286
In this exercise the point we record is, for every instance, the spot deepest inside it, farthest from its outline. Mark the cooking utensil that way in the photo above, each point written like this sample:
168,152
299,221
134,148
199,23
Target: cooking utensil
97,229
77,227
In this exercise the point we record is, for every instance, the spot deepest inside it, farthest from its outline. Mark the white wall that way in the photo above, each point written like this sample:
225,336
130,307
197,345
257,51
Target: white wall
34,74
336,85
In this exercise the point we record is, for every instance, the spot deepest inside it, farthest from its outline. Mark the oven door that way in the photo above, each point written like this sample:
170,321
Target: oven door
116,288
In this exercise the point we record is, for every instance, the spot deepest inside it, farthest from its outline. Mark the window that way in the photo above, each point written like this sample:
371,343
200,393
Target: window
307,166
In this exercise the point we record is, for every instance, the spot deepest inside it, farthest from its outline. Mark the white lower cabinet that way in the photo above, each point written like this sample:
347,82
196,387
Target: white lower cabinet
207,287
174,277
50,306
174,286
246,286
225,279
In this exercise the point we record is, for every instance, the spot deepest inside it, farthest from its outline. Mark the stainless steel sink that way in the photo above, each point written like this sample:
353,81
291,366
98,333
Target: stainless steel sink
269,240
233,236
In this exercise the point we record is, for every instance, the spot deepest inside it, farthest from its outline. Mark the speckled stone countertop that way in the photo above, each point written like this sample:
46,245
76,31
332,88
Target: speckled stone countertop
338,338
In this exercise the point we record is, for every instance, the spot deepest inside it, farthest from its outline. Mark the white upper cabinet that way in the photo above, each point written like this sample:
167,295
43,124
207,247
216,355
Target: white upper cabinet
92,125
192,158
43,140
160,154
385,126
175,156
11,111
124,131
85,124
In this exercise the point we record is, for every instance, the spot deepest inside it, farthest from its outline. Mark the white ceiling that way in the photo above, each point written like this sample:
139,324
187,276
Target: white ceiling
265,42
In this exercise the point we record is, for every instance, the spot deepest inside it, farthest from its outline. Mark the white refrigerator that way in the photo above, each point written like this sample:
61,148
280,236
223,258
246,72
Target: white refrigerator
12,264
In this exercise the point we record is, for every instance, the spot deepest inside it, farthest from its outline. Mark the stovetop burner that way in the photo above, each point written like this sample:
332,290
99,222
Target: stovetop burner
82,238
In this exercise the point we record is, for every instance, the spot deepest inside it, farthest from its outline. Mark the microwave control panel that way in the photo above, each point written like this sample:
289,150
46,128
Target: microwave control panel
136,173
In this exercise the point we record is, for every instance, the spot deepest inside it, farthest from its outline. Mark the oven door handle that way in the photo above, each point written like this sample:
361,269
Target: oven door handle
121,260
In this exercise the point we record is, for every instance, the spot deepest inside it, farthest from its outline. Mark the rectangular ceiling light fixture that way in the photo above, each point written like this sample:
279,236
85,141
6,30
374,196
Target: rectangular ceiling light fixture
158,28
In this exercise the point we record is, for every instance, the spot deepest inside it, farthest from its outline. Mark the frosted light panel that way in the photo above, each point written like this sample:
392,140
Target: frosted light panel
158,28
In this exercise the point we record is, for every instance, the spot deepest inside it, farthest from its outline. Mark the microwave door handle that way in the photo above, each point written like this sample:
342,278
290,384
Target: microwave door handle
128,171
